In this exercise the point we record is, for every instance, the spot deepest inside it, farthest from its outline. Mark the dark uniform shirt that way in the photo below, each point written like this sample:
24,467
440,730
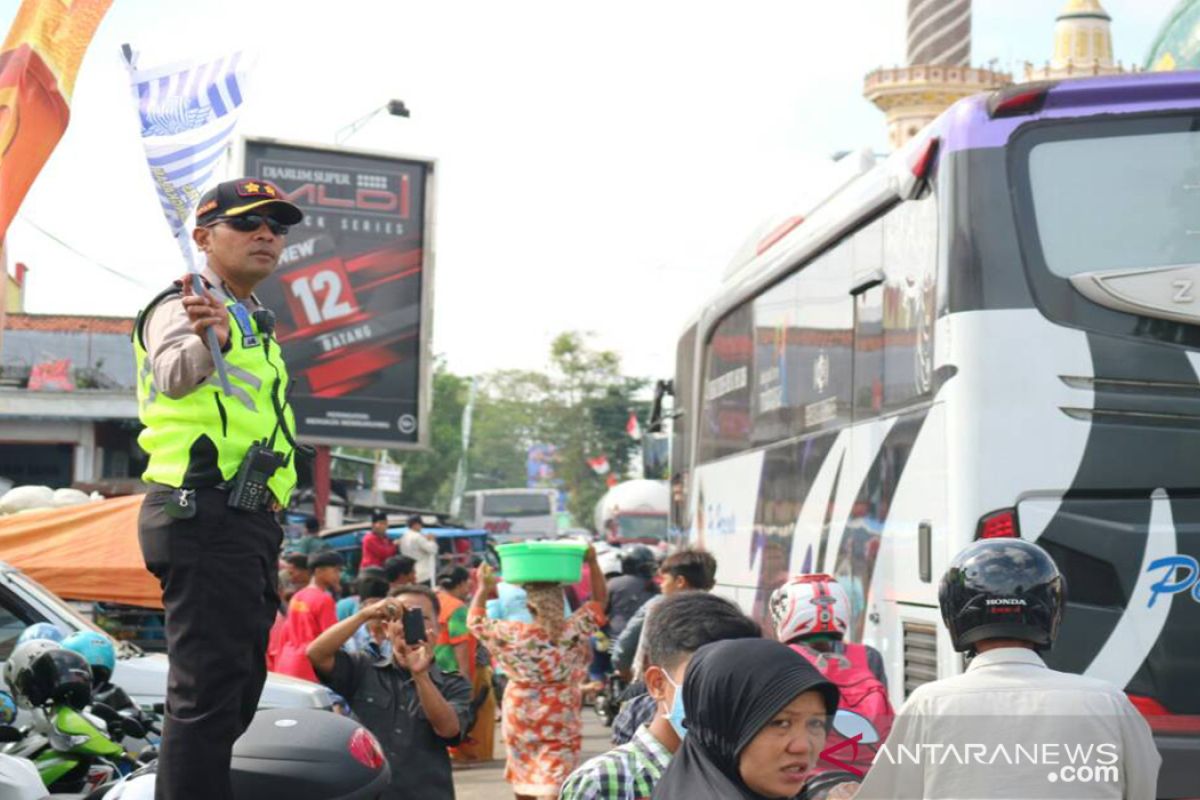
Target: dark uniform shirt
383,697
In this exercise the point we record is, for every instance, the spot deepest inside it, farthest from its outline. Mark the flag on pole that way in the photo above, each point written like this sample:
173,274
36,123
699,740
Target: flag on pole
39,61
187,114
599,465
632,427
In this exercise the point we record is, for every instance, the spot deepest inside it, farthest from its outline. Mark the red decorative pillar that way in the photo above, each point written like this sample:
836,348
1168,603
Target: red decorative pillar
321,482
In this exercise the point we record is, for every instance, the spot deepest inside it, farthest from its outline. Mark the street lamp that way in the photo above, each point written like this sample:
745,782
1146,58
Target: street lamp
394,107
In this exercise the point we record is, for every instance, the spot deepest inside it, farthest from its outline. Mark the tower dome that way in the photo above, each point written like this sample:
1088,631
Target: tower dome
1082,43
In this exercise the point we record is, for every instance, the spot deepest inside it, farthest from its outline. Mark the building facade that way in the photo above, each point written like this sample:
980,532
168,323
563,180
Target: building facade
68,408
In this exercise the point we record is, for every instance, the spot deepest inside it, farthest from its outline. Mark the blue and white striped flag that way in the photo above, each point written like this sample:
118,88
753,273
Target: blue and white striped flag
188,113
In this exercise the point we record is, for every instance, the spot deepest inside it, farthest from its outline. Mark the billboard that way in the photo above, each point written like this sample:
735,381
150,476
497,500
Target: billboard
352,293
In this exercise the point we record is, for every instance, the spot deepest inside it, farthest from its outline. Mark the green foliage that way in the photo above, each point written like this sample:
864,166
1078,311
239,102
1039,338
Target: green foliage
429,475
580,405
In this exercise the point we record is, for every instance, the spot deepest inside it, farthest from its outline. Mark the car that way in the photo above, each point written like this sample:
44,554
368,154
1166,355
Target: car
456,546
24,601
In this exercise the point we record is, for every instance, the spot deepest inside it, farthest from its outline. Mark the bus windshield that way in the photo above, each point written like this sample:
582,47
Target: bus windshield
516,505
643,526
1125,201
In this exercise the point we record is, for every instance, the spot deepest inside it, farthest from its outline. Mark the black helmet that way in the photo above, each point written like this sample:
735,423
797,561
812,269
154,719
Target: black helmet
1002,589
639,560
42,675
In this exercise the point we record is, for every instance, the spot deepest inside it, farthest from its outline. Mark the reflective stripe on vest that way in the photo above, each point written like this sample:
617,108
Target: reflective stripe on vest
182,434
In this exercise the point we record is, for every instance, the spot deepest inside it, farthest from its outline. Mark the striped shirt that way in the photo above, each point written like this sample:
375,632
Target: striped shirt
628,772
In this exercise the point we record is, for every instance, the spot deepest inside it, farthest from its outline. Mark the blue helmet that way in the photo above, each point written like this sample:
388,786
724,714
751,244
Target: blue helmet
97,649
8,708
40,630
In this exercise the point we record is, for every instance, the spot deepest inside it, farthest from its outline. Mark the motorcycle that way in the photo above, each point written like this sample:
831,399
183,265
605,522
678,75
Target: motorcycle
76,751
609,698
301,754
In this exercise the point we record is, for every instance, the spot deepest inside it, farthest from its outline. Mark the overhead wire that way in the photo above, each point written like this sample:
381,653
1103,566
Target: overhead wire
84,256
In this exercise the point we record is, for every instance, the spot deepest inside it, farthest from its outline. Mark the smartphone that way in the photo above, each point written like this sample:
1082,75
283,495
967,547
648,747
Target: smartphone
414,626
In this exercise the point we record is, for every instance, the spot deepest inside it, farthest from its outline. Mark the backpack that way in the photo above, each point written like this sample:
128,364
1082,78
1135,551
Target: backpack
861,692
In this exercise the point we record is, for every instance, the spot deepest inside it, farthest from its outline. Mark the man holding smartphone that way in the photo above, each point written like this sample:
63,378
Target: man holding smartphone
413,708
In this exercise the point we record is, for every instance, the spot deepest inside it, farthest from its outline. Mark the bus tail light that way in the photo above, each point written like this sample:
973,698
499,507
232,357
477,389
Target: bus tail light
1163,721
1016,101
1000,524
922,165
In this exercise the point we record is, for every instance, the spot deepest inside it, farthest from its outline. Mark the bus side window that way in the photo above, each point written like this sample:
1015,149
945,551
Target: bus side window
909,301
729,358
868,353
893,322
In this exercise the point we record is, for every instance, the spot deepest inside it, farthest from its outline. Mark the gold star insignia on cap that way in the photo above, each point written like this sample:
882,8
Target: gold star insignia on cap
253,187
269,189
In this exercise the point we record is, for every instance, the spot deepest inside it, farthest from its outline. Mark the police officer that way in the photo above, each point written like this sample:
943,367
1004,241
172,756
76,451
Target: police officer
220,466
1010,726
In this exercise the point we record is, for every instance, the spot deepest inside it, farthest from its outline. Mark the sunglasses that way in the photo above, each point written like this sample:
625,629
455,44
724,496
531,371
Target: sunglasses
248,223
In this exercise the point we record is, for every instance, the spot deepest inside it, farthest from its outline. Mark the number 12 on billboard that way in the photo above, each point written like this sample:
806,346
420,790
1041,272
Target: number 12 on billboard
320,295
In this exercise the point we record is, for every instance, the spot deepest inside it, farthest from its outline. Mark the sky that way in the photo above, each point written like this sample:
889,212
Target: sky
597,164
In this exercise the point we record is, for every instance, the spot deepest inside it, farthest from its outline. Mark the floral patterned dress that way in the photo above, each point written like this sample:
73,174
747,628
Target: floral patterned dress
542,713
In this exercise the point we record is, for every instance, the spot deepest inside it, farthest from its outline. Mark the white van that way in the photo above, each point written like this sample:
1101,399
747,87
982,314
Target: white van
24,601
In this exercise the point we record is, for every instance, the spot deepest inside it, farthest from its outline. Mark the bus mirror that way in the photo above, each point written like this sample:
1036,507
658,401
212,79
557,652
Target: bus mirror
661,390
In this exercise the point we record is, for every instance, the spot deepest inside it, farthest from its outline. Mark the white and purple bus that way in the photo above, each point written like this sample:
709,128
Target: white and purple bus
993,332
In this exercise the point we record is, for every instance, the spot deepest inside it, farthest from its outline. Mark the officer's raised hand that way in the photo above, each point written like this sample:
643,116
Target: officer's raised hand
205,311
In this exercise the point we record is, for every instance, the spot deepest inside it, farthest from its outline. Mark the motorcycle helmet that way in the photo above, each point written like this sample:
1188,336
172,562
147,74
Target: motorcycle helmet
810,604
97,649
40,630
40,673
8,708
639,560
1002,589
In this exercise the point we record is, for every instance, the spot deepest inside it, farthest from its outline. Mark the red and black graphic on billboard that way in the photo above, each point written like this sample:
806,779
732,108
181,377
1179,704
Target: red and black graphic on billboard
348,291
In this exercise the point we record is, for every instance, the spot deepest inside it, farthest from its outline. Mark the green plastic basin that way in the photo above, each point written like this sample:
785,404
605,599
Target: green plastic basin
538,562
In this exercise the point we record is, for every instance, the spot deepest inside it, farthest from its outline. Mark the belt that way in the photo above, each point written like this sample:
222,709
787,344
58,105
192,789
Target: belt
224,486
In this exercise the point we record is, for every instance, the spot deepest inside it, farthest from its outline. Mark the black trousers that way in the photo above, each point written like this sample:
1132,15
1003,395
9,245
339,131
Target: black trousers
219,575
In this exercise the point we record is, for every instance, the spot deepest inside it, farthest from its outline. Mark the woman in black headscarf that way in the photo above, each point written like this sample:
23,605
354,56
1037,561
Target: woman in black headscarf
756,714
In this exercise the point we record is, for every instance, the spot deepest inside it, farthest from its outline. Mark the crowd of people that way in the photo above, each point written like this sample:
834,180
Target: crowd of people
714,705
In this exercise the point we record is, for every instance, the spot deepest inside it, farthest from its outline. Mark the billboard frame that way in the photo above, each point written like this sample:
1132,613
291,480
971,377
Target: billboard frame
428,268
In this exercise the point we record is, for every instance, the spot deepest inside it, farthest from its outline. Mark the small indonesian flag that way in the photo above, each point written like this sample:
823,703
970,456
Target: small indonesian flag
632,427
599,465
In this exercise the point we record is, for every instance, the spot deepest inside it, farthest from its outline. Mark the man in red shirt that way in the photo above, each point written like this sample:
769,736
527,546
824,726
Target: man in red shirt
377,547
310,613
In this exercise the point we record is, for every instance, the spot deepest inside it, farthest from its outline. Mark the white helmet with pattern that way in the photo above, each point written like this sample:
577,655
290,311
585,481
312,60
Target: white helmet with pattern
810,604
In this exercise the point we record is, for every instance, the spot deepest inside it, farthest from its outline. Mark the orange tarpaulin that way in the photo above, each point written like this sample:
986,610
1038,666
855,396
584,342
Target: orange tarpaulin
85,552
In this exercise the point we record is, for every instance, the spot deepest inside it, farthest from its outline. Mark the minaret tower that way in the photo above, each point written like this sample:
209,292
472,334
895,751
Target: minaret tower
939,70
1082,44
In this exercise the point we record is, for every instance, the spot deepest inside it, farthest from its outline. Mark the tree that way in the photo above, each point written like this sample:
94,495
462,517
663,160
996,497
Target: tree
428,475
589,405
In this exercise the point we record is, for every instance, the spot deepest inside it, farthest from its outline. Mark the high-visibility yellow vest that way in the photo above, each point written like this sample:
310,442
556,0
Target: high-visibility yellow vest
200,439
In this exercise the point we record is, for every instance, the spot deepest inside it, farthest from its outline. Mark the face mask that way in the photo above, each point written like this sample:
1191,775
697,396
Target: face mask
676,716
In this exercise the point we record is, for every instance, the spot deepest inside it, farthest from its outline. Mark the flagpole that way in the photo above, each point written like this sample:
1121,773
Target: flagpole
214,344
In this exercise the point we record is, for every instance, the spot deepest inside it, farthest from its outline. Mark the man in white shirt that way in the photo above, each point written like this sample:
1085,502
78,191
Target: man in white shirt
1010,727
422,548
